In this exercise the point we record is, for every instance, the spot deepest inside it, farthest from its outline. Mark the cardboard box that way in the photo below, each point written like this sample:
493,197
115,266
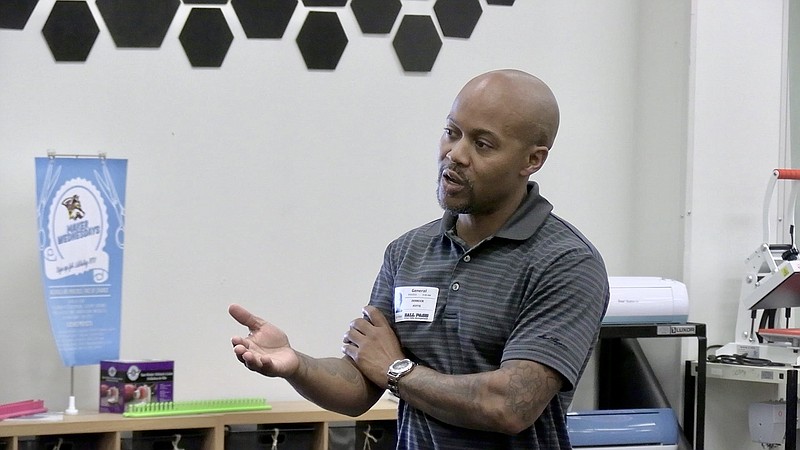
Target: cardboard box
125,382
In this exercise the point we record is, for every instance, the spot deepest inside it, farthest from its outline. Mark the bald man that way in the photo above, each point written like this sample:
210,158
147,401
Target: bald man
480,322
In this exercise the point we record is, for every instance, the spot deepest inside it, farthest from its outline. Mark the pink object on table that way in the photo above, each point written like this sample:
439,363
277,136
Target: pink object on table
23,408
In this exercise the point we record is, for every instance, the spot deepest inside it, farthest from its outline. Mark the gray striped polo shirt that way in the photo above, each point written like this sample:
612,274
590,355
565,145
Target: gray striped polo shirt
536,290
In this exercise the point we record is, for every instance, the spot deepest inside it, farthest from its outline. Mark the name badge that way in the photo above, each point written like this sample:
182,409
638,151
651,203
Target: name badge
415,303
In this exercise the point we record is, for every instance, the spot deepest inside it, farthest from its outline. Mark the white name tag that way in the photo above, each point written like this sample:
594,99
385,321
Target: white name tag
415,303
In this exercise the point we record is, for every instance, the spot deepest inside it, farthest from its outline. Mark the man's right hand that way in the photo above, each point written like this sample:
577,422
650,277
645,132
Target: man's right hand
266,349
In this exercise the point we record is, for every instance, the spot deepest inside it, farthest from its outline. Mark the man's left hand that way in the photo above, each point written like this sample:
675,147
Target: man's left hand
372,345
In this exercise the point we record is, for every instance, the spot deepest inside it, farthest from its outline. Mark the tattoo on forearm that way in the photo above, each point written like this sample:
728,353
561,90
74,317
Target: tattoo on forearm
525,387
442,392
528,386
345,372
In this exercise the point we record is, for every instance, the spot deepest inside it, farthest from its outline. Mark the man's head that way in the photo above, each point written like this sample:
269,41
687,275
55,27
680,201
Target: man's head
499,131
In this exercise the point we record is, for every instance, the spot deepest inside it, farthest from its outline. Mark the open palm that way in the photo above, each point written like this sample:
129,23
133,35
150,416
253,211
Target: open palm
266,349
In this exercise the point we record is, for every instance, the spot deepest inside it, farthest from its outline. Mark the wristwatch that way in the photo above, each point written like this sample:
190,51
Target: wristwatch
397,370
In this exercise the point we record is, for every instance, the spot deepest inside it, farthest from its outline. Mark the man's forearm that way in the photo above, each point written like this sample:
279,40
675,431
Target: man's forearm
507,400
334,384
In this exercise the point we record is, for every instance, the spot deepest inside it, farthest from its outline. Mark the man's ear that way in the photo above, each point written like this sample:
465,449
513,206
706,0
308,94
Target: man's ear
537,155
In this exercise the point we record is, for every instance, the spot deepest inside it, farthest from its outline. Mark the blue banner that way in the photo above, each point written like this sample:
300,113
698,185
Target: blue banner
81,219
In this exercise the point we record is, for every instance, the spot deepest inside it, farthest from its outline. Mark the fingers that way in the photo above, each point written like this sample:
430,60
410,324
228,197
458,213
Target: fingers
251,360
350,350
245,317
360,325
352,337
375,316
241,348
352,341
372,317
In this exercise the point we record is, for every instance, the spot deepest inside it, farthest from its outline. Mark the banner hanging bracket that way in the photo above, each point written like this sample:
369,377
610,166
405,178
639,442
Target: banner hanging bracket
52,155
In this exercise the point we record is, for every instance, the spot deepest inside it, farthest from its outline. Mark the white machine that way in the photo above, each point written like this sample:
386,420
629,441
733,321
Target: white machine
646,300
767,422
770,282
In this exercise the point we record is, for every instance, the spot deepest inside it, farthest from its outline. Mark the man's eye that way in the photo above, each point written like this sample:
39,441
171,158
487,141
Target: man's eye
448,131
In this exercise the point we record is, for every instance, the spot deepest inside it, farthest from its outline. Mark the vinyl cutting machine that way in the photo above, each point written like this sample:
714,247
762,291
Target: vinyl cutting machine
771,282
646,300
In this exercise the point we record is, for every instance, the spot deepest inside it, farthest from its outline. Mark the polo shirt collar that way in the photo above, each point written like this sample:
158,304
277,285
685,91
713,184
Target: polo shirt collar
530,215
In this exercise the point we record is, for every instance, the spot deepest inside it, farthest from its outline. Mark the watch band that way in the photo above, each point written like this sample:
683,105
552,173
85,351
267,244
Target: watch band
394,389
397,370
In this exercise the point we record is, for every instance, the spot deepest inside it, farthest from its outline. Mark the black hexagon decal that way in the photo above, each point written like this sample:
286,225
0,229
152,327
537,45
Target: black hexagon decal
138,23
264,19
322,40
376,16
70,31
417,43
14,14
324,2
457,18
206,37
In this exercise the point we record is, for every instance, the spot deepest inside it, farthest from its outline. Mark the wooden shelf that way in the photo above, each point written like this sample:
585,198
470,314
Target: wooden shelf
106,429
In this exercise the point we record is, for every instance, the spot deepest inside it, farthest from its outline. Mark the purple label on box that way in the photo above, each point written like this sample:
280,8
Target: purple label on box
130,382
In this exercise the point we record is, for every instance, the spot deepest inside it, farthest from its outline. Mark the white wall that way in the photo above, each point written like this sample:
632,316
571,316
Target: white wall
655,189
734,143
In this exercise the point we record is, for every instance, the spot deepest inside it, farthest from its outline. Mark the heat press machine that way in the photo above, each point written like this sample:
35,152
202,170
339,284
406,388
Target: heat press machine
646,300
771,282
623,429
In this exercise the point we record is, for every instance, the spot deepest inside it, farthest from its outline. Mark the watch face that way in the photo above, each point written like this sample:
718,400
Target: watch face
400,366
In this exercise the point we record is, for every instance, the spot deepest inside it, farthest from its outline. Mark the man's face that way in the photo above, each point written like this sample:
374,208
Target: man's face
482,157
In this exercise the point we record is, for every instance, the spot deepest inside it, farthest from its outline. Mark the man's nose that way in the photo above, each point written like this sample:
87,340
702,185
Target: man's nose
458,152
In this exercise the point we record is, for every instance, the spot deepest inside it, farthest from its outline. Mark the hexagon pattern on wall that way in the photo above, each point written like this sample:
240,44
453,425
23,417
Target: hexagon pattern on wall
70,31
206,37
264,19
457,18
417,43
138,23
376,16
322,40
206,34
14,14
324,2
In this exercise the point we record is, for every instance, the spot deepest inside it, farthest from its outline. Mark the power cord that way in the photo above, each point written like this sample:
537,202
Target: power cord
743,360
